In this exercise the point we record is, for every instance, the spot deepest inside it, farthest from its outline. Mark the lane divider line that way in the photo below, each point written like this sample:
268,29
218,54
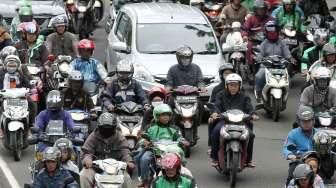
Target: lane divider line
8,174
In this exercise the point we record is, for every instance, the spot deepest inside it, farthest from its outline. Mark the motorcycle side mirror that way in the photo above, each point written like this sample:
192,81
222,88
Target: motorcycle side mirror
306,22
77,142
111,74
32,140
292,147
121,47
76,130
34,130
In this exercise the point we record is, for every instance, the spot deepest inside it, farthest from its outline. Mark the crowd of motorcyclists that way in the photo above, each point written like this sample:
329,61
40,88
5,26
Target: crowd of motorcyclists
91,89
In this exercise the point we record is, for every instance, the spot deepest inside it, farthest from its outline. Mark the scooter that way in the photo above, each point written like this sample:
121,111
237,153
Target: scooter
84,18
15,120
275,91
234,137
186,113
57,77
35,96
82,121
129,120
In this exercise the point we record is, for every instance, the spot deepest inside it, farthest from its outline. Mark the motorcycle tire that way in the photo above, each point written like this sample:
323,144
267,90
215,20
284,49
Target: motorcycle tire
276,110
234,168
96,15
14,142
189,136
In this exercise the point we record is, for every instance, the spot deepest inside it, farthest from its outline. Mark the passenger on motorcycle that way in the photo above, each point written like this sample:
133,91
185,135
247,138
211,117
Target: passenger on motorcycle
328,60
13,77
124,88
156,96
92,69
105,142
54,111
5,38
289,15
62,42
66,148
320,96
53,175
304,177
171,174
231,98
313,160
160,129
254,25
301,138
74,96
314,53
310,7
273,45
8,50
185,72
25,14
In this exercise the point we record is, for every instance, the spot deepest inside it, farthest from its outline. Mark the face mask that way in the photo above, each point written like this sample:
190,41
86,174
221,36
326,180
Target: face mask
185,61
155,104
272,36
106,132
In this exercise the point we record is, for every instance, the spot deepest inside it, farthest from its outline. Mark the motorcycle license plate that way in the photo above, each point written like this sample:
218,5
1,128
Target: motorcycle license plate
291,41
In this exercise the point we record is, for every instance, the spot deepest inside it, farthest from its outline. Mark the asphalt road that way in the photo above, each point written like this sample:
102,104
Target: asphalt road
271,168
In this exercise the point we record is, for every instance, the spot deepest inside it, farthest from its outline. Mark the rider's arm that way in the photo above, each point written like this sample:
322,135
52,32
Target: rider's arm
246,27
285,50
74,46
299,9
304,99
276,11
40,122
101,71
200,82
44,54
89,102
38,182
48,43
68,120
248,105
107,95
170,78
125,153
140,94
219,103
290,140
88,149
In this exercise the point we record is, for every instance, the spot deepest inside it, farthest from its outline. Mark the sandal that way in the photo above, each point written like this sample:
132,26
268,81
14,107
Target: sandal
250,165
214,163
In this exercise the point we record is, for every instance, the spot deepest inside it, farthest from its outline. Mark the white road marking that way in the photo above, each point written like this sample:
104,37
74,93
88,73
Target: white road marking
8,174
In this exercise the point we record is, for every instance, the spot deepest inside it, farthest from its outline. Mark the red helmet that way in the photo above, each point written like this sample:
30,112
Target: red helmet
157,91
86,44
170,161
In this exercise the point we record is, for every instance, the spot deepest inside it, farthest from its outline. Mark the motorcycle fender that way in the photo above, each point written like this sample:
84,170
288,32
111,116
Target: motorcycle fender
15,125
234,146
97,4
276,93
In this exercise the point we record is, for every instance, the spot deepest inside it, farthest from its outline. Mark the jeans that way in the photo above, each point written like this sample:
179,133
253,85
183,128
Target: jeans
215,141
260,79
90,87
145,164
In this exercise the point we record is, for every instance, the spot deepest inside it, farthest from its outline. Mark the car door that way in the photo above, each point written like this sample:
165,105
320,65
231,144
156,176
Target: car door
122,32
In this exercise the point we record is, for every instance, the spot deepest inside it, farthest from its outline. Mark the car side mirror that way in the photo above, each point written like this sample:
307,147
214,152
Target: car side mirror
121,47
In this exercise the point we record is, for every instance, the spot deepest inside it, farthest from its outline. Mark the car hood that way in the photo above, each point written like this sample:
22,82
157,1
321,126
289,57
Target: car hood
159,64
40,8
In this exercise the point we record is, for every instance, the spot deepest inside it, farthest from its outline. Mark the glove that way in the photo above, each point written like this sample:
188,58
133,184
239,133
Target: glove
291,157
87,162
147,107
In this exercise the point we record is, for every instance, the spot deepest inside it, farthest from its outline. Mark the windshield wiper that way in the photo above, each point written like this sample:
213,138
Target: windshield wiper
205,52
162,52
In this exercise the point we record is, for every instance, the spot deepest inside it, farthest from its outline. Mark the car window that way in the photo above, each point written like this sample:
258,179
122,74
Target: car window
121,31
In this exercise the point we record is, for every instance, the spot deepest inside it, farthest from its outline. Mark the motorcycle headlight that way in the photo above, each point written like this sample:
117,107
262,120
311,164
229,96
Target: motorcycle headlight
81,8
63,67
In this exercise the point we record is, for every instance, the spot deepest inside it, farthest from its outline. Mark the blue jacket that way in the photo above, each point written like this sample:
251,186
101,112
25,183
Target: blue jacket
45,116
62,179
302,141
92,70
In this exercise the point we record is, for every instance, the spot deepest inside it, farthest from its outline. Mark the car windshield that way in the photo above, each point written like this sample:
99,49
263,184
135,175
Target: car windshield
153,39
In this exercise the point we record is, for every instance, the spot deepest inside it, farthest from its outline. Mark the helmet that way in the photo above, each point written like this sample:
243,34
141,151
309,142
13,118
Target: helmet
286,2
171,161
107,120
223,68
304,171
157,91
160,109
54,100
86,44
306,113
271,26
8,50
233,78
321,77
328,49
60,21
125,71
51,154
259,4
184,56
236,26
321,36
322,142
307,156
31,28
76,80
12,63
63,143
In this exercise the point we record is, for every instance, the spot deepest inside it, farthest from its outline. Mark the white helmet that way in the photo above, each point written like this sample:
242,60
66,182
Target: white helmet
233,78
321,77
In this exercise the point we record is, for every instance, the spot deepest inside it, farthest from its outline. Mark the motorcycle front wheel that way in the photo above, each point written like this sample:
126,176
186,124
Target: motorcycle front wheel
276,109
234,168
15,138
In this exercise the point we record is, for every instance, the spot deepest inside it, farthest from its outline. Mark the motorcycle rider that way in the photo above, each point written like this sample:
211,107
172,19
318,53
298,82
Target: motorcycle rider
92,69
62,42
66,148
13,78
314,53
328,60
8,50
310,7
231,98
301,138
105,142
74,96
281,8
252,26
124,88
54,111
25,14
304,177
53,175
171,174
320,96
313,160
160,129
156,96
273,45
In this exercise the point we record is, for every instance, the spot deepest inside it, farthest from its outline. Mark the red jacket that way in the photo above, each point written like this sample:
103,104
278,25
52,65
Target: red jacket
254,25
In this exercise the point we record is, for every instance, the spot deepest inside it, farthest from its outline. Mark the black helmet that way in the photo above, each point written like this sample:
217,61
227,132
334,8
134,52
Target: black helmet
76,80
259,4
107,124
224,67
306,113
54,100
184,56
328,49
304,171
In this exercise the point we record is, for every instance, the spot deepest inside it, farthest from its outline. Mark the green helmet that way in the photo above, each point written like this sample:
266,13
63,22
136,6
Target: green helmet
160,109
25,11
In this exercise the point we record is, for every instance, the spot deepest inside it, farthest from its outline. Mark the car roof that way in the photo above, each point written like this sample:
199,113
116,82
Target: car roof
165,13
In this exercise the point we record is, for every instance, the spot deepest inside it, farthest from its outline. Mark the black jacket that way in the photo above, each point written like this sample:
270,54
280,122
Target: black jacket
81,101
224,101
179,75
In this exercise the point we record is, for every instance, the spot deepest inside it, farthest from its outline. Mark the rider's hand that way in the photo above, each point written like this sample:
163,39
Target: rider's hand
147,107
110,107
293,61
304,72
245,38
291,157
131,165
146,143
87,161
255,117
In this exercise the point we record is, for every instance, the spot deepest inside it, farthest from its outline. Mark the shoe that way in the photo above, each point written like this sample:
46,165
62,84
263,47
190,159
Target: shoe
214,163
209,151
250,165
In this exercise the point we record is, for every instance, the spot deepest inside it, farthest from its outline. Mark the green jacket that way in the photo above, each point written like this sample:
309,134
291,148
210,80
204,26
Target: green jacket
294,20
332,40
157,132
310,56
183,182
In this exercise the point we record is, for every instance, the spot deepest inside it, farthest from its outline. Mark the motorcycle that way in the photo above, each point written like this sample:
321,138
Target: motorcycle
109,173
15,120
57,77
234,137
129,120
84,18
36,73
82,121
186,112
275,91
212,11
98,11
